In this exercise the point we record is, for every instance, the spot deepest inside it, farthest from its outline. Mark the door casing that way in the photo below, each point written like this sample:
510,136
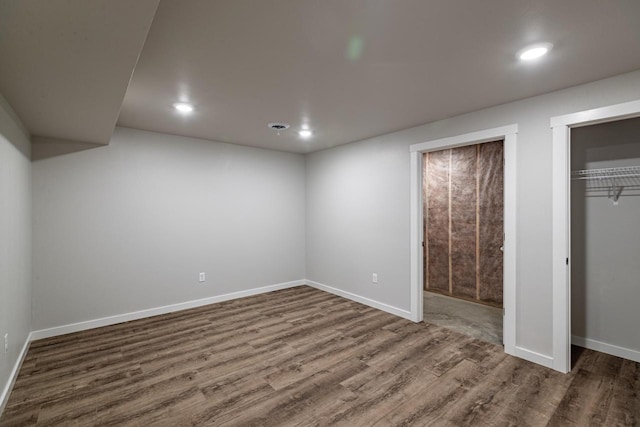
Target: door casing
509,134
561,127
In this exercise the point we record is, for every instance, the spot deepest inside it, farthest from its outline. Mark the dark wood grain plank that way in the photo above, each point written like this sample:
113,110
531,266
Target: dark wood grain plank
304,357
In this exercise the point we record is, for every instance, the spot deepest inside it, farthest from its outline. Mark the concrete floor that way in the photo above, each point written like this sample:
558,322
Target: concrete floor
476,320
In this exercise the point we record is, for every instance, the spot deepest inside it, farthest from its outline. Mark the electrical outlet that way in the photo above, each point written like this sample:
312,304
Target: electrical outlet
6,343
374,278
202,277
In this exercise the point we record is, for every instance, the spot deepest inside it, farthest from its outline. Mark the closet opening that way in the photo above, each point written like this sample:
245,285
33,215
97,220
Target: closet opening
564,128
605,237
463,226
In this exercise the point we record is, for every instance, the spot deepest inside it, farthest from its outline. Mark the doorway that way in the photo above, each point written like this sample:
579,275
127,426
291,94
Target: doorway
508,134
463,209
605,237
561,254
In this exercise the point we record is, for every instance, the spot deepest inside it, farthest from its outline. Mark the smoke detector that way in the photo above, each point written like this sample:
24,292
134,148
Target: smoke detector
278,126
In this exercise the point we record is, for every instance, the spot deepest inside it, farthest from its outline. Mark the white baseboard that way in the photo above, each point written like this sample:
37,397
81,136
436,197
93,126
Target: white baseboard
534,357
112,320
4,397
603,347
357,298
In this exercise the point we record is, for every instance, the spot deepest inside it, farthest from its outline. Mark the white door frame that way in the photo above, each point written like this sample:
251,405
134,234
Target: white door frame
561,126
509,134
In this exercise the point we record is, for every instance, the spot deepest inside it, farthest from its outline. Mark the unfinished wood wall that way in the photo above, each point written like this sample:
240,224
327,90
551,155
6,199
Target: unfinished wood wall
463,222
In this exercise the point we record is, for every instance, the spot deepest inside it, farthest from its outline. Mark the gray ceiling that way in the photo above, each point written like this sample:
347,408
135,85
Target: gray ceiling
65,65
350,69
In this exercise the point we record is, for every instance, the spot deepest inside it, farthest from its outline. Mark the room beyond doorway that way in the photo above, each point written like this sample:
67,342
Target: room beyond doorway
463,205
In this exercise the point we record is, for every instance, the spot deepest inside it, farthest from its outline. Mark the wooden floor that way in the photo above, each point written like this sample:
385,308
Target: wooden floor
304,357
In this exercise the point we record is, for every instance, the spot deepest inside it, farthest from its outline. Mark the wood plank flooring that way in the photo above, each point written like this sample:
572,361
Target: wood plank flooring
305,357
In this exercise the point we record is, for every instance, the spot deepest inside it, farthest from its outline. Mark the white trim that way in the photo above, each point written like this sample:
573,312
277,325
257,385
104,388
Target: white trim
417,218
126,317
510,260
615,350
6,391
598,115
532,356
509,134
357,298
561,126
466,139
561,272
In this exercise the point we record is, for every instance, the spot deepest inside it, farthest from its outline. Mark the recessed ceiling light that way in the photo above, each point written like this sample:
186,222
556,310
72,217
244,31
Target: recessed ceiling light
535,51
183,107
305,133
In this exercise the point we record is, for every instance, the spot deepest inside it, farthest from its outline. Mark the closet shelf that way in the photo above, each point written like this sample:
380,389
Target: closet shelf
612,180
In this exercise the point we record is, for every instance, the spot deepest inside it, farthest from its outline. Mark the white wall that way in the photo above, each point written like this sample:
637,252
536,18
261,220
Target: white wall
15,240
605,239
358,203
129,226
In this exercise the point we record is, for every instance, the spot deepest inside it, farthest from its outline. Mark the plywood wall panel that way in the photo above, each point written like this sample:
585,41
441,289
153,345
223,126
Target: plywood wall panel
438,221
491,213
